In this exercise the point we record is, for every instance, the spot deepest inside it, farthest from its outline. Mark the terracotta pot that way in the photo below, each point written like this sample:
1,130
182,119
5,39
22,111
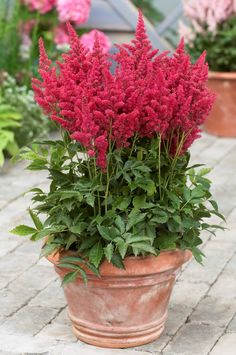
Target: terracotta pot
123,308
222,119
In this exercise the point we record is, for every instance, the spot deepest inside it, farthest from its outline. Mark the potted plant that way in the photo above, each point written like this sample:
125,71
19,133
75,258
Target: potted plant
124,209
213,26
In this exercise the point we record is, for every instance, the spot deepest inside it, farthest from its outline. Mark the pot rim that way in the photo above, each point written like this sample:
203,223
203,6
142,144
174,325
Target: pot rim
222,75
134,265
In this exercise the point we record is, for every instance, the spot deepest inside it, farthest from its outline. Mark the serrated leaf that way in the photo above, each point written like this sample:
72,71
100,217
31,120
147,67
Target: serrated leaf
122,248
120,224
144,247
96,254
108,251
70,277
90,199
79,228
134,218
160,217
117,261
105,232
38,224
48,249
23,230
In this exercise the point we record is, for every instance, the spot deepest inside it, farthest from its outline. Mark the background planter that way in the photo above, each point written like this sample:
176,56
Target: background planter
222,120
123,308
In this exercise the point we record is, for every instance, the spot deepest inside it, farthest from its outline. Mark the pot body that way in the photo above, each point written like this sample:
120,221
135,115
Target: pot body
123,308
222,119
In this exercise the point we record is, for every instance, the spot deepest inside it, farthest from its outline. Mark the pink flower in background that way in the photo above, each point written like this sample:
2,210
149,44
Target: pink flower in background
186,32
76,11
88,40
43,6
61,36
208,13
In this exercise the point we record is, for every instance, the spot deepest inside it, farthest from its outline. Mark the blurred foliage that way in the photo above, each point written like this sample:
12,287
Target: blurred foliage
9,36
34,124
149,10
220,46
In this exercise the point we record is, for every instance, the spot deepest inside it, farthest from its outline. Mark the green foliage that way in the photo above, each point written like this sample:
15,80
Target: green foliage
9,35
149,10
20,102
221,51
9,119
144,203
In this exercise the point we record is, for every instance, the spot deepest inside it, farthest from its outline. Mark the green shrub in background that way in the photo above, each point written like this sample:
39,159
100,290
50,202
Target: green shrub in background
21,120
220,46
9,120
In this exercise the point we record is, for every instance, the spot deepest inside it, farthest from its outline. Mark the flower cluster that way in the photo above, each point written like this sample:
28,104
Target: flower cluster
61,39
76,11
149,95
206,15
42,6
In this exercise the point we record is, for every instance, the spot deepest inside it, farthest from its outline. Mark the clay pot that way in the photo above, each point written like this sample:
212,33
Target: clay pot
123,308
222,119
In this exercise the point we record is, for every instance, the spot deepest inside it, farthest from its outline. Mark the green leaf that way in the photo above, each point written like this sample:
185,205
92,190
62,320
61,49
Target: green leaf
38,224
105,232
120,224
79,228
160,217
96,254
123,203
23,230
108,251
117,261
48,249
204,171
134,218
70,277
214,205
144,247
90,199
122,248
73,259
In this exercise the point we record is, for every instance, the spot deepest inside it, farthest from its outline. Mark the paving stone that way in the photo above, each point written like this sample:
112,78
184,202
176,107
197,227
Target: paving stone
21,344
193,339
216,151
28,320
62,317
6,246
211,268
177,316
83,349
226,345
14,264
55,331
232,325
187,293
215,311
52,296
155,346
225,286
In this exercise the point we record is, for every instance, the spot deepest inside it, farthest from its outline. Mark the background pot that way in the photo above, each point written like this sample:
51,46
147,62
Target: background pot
123,308
222,119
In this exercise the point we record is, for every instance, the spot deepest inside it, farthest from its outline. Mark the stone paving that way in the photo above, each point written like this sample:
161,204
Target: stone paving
202,313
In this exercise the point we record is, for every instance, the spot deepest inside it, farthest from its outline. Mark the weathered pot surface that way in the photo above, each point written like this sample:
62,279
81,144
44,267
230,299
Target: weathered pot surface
123,308
222,119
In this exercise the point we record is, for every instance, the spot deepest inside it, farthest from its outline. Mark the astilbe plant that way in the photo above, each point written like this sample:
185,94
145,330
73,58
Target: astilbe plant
121,181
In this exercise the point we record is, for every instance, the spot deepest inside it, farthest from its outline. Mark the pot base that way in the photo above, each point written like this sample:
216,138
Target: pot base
128,339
